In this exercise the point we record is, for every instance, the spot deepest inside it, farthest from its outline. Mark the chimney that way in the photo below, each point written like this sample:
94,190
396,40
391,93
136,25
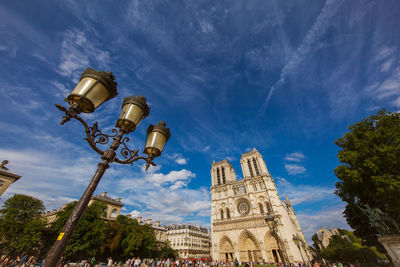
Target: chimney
148,221
139,219
157,223
104,194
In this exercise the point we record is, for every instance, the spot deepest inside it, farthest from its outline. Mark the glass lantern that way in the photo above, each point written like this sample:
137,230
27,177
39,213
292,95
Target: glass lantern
94,88
134,110
157,136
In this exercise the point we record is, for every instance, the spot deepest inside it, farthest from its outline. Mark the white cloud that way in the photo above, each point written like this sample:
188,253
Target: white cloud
181,161
135,213
178,158
295,156
207,148
301,193
77,52
310,222
173,176
51,177
294,169
317,30
384,52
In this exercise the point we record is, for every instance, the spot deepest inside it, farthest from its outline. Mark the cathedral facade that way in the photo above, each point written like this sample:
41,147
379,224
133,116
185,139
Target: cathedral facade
239,208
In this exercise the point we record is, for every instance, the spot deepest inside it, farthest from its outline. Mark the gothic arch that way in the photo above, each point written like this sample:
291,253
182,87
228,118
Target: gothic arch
226,249
271,247
249,249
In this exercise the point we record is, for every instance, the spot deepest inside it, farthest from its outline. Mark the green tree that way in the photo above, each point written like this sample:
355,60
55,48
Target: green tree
89,235
137,240
342,250
316,242
166,251
21,225
370,173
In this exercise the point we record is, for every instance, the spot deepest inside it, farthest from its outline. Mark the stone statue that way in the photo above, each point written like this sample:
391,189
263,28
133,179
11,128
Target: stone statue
3,164
382,222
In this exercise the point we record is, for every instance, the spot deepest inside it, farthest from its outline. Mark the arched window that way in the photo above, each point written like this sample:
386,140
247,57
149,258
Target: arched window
114,213
261,208
269,207
250,169
222,213
255,187
218,177
223,175
228,213
255,166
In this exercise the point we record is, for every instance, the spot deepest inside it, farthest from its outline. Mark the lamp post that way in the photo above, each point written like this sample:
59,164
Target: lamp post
272,224
93,89
303,244
297,241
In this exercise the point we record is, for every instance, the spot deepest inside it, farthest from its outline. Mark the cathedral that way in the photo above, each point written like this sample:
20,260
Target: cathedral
238,216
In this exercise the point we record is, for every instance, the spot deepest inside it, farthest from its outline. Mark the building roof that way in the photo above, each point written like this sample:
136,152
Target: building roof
187,226
6,172
104,198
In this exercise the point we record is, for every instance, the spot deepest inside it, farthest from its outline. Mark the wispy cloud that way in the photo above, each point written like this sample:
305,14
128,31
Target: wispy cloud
303,193
294,169
178,158
295,156
317,30
77,51
311,221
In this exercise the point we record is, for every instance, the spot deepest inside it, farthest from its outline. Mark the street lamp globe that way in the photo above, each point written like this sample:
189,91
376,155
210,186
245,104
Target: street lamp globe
270,221
134,110
94,88
157,136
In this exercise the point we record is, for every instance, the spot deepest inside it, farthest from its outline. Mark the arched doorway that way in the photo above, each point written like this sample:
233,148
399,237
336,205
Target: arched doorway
272,249
226,250
249,250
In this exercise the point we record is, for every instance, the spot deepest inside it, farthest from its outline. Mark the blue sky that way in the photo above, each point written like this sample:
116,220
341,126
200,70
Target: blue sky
286,77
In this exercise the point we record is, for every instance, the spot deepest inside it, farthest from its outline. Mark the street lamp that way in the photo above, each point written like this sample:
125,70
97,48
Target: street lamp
93,89
297,241
272,224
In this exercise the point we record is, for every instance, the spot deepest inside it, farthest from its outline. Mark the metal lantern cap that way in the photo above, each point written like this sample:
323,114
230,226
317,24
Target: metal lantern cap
105,77
139,101
160,127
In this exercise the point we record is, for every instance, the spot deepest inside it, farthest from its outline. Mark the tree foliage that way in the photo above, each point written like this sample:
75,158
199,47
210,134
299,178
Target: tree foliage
89,234
369,174
342,250
21,225
23,231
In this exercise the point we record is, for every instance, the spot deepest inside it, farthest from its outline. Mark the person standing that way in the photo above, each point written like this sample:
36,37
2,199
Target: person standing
92,261
236,262
109,262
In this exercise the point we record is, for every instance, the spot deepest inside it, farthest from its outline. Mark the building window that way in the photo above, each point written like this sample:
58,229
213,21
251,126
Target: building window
228,214
222,213
261,208
223,175
250,169
114,213
255,187
218,177
256,167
